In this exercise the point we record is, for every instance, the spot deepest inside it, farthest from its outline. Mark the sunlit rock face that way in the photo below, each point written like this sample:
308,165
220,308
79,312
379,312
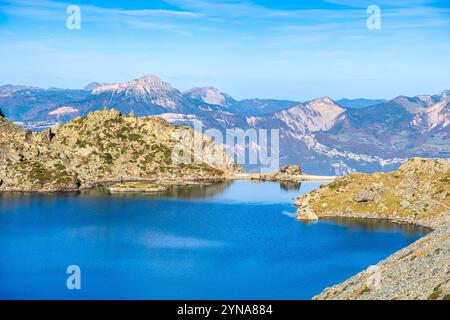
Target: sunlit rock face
103,146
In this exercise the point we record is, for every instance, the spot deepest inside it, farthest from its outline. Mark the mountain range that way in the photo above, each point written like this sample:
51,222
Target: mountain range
323,136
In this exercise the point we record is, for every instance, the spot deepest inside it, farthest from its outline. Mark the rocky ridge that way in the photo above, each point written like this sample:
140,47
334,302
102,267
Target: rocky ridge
103,147
417,193
418,272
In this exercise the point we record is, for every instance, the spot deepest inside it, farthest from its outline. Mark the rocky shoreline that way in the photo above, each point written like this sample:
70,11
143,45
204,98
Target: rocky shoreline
417,193
418,272
109,183
102,148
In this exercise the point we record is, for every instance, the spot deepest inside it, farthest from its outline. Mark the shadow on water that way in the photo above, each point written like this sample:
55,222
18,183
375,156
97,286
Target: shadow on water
240,245
210,190
194,191
190,192
379,225
284,185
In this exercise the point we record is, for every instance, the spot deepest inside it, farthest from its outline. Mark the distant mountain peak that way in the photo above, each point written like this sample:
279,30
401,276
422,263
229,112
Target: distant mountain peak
415,104
325,99
144,85
94,85
150,81
437,116
202,90
148,89
444,93
359,103
427,99
325,104
208,95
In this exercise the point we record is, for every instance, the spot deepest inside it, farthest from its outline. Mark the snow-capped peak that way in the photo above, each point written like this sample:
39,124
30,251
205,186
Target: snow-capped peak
436,116
325,105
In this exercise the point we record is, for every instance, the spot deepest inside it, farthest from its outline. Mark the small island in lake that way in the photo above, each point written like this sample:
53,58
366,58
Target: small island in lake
144,187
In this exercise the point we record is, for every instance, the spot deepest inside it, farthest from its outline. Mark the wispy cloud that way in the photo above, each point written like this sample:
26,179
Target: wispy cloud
391,3
239,8
193,13
56,5
248,47
56,11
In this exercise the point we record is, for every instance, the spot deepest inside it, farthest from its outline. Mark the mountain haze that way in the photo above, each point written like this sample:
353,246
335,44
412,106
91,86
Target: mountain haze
324,136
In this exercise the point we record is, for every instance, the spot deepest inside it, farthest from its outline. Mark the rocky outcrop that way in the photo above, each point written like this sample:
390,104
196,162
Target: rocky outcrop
423,167
306,214
105,146
289,173
419,271
291,170
418,193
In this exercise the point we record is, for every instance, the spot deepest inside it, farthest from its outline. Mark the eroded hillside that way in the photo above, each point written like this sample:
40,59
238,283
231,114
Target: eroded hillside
104,146
418,192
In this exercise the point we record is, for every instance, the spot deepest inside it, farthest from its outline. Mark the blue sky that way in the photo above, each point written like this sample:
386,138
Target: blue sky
295,50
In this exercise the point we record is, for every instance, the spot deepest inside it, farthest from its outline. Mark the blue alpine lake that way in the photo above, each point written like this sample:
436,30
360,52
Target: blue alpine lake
234,240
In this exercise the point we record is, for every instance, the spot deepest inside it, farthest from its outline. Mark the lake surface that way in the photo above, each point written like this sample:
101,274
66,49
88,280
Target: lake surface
236,240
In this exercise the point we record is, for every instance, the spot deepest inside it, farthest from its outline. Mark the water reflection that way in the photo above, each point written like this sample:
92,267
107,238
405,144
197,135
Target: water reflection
228,192
194,191
290,185
236,244
379,225
191,192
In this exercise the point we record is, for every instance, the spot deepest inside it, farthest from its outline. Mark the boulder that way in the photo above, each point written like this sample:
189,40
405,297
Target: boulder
423,167
306,214
291,170
370,193
103,146
366,195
